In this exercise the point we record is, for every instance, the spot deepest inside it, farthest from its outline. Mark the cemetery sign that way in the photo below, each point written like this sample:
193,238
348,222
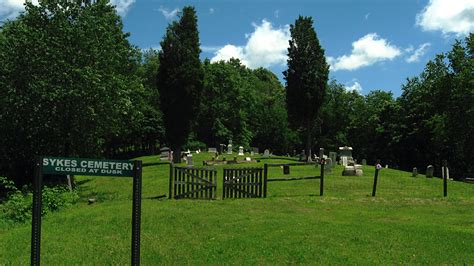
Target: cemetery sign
81,166
89,167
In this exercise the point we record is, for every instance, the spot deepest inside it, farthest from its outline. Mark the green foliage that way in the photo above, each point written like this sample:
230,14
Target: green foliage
180,77
7,187
67,83
18,206
242,104
306,78
437,112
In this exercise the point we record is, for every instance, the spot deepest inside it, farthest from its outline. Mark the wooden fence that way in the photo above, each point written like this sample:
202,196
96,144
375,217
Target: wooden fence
242,183
286,169
192,183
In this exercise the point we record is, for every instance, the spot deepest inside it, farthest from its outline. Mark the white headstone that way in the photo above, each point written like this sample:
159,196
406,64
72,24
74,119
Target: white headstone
266,152
229,147
189,159
241,150
344,160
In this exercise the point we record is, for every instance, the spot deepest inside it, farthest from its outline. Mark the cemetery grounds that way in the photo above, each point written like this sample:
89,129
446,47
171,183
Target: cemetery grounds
408,222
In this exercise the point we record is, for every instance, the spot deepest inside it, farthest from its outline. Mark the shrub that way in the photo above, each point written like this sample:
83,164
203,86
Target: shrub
7,187
18,206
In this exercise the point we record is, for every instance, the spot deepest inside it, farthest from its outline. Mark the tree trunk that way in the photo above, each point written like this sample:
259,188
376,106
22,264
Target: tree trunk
177,155
309,136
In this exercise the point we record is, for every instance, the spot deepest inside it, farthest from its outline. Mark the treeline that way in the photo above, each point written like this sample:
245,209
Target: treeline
432,121
72,85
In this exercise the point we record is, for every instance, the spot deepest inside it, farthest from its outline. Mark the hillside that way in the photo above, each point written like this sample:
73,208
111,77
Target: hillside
408,222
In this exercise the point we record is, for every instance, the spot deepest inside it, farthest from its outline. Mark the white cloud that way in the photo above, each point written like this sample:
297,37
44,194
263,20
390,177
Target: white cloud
447,16
211,10
366,51
415,57
230,51
167,13
354,87
409,49
122,6
266,46
10,9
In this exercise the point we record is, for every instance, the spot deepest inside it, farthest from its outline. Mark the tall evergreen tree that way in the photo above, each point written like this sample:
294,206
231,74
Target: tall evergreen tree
306,78
180,78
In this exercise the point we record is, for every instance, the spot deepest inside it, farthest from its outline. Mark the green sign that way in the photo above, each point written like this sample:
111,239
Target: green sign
81,166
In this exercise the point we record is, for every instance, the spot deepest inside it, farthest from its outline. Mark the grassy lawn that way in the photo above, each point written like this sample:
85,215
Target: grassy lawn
408,222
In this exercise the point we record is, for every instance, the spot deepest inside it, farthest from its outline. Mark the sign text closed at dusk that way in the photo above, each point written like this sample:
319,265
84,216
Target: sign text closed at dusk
81,166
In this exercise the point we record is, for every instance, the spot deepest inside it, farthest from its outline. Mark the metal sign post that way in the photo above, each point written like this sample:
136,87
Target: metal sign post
90,167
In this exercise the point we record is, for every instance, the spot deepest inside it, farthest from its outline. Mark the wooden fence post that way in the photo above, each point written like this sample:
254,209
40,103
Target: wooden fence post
170,196
265,178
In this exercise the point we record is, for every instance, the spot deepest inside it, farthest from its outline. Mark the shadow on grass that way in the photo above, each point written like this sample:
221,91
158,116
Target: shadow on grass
82,182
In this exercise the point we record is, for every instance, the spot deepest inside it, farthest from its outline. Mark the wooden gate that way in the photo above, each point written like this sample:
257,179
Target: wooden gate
243,183
192,183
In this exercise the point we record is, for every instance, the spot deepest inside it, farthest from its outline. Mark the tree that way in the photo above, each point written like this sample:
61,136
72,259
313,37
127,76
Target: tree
180,78
66,82
306,78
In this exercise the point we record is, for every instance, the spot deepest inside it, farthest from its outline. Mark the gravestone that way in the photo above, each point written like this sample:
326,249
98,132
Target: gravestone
429,171
214,150
414,172
348,171
165,154
353,170
229,147
447,172
345,154
321,152
189,159
344,160
266,152
364,162
241,150
333,156
358,170
328,166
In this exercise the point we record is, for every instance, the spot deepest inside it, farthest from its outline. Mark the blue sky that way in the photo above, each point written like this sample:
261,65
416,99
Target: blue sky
370,44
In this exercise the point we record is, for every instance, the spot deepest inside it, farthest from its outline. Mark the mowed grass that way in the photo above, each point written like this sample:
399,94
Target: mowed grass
408,222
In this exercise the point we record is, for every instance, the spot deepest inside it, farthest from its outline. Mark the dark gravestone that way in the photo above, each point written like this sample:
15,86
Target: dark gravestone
429,171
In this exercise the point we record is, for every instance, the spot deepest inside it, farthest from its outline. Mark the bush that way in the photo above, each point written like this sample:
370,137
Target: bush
7,187
18,206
